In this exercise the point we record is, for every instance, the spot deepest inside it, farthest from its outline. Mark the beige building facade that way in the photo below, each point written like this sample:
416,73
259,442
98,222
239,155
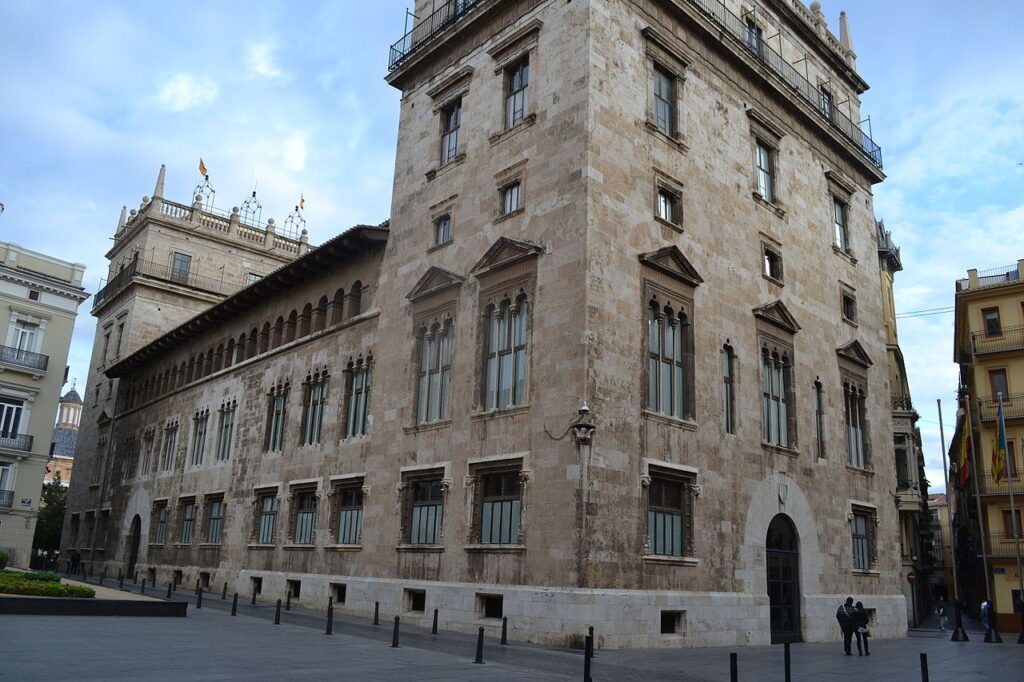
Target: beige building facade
40,296
618,356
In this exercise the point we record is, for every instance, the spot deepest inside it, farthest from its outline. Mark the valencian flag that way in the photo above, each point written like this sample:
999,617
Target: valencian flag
202,167
962,445
302,201
999,451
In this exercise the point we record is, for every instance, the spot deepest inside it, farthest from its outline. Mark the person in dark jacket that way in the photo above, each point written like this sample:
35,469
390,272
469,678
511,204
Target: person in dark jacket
845,616
860,619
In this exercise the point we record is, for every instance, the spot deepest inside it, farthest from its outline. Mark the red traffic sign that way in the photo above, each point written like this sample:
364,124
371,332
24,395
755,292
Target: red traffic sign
911,577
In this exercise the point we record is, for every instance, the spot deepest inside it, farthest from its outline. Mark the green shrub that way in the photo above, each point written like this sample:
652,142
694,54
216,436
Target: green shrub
3,560
17,583
48,577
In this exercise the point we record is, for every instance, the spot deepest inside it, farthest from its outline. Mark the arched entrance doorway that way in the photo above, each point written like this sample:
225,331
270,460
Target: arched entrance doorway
134,537
783,555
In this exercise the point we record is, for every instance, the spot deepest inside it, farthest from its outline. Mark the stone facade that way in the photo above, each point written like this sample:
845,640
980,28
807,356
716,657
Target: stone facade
602,182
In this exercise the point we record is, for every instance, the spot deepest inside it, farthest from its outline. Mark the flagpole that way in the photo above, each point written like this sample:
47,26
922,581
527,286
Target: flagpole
1004,452
959,634
977,498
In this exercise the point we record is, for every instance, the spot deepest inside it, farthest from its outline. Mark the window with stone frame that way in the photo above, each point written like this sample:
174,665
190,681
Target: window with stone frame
199,424
265,524
170,446
129,462
670,494
771,261
855,420
359,377
423,496
498,506
435,369
778,413
505,351
517,83
451,122
669,358
511,197
728,389
161,517
826,102
314,399
666,68
277,405
442,229
754,38
215,512
186,520
226,430
303,503
819,418
669,204
663,104
146,454
347,496
840,227
764,164
863,524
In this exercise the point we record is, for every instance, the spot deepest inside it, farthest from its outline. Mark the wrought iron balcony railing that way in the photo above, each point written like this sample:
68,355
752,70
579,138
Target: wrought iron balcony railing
6,498
902,402
1002,544
1013,407
1007,338
24,358
1006,273
422,31
16,441
988,486
164,273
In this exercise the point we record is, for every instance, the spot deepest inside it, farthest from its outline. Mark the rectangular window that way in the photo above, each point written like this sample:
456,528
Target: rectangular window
442,230
25,334
669,514
855,413
214,520
11,410
849,305
304,519
434,372
825,100
188,522
225,432
426,503
1008,521
772,263
451,121
360,382
728,389
775,393
754,40
669,370
997,380
510,199
500,508
6,478
517,81
663,89
819,418
180,266
839,219
160,527
316,392
252,278
170,446
505,354
1011,459
199,422
764,163
266,518
669,206
862,532
146,457
350,514
276,404
993,327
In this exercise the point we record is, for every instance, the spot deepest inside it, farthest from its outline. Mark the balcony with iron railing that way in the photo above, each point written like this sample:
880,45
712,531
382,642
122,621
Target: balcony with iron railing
422,31
1003,545
6,498
1004,339
24,358
994,276
1013,407
988,486
902,402
163,273
16,441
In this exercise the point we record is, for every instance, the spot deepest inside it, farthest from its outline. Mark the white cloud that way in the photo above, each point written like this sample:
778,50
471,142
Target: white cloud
185,91
261,60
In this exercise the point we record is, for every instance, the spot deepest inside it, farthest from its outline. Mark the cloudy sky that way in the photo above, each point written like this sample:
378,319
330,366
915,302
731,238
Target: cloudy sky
95,96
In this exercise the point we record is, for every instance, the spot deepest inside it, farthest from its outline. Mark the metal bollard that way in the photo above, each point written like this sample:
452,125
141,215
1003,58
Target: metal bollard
593,640
330,619
199,599
394,635
234,605
789,675
142,590
199,588
480,647
376,613
168,590
433,628
224,594
924,667
136,578
504,630
254,597
588,653
288,601
103,575
120,581
734,668
277,613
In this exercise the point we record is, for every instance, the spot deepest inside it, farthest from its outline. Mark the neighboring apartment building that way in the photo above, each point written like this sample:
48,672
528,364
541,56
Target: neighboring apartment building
942,580
65,438
989,347
637,207
40,297
911,484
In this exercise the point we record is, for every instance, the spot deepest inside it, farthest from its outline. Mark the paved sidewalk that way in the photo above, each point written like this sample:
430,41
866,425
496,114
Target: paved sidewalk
210,644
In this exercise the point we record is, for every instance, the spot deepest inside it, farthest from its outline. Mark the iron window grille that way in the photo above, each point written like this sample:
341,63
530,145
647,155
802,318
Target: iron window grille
765,164
305,518
199,423
451,122
350,514
267,519
855,413
500,508
862,534
667,361
670,515
426,512
215,521
188,522
160,529
316,390
775,391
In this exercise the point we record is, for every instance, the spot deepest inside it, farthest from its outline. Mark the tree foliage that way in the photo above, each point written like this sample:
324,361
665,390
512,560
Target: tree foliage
52,504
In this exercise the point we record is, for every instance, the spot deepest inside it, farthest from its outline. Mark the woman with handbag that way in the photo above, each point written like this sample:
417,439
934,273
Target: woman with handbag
860,621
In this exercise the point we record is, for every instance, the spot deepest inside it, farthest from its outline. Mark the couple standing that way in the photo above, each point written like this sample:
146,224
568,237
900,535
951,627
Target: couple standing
854,619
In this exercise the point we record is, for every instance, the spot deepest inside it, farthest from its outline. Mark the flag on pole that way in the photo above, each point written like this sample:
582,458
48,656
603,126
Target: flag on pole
963,449
202,167
999,451
302,201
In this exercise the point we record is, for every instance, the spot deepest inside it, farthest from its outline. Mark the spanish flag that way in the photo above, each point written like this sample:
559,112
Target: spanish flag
999,451
202,167
302,201
963,445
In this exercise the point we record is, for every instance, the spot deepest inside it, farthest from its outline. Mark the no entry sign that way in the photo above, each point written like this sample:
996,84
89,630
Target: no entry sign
911,577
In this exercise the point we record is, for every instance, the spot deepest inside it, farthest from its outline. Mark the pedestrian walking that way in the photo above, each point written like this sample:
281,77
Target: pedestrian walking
987,617
940,611
845,616
76,562
860,620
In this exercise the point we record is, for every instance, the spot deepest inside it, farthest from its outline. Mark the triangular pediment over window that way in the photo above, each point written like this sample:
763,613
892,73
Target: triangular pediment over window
671,261
776,313
434,281
855,353
503,253
103,418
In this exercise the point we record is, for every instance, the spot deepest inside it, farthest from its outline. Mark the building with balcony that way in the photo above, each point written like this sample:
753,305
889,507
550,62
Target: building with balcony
987,345
40,296
617,356
939,525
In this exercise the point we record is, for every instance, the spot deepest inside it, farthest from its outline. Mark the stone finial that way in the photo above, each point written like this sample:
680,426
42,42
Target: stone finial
158,191
844,32
819,16
123,220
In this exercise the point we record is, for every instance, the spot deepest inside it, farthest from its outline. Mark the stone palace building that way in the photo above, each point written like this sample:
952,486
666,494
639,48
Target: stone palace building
617,358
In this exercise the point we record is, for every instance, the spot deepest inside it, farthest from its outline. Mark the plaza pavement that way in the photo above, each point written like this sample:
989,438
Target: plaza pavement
210,644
